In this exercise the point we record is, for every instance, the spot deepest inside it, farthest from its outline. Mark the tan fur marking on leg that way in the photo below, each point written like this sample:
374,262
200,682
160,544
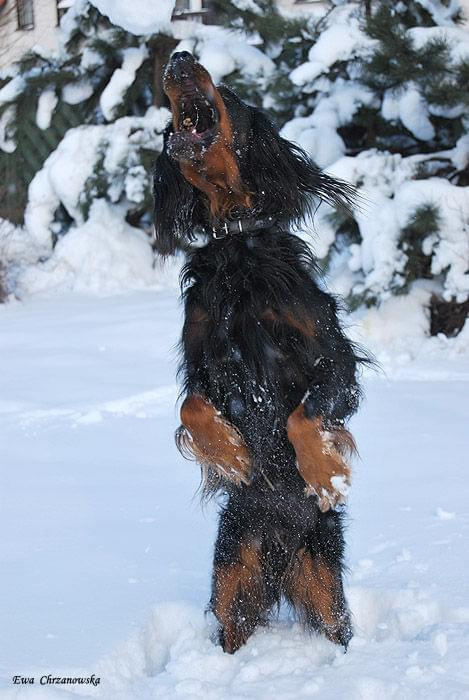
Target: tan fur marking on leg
321,455
311,586
213,441
241,577
315,591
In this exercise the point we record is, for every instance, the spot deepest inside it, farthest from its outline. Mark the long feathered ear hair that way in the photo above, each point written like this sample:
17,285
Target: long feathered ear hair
285,179
175,202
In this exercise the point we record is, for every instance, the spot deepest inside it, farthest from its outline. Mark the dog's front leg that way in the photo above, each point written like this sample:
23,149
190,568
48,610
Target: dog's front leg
321,454
213,441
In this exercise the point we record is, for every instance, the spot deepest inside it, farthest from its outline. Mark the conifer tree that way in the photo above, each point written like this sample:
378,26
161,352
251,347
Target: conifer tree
393,100
101,74
284,39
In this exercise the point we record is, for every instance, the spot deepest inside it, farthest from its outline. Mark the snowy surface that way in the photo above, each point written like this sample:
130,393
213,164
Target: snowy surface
103,256
121,80
336,100
139,16
106,551
456,37
222,51
339,42
74,93
413,113
11,90
62,178
28,251
7,119
46,104
391,196
440,13
317,133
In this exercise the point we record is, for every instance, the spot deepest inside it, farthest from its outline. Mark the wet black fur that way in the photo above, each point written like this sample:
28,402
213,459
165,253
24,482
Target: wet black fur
256,371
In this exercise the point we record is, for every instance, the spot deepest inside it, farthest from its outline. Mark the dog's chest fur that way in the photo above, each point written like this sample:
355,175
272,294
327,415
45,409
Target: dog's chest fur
252,314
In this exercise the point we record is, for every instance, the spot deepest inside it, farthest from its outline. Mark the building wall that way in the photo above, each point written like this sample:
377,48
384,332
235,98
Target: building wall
15,42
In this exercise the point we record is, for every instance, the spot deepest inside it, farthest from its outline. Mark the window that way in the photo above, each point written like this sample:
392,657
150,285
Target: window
25,10
188,6
62,7
190,9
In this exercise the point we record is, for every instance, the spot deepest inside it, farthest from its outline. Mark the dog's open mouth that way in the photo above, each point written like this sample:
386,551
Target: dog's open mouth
195,116
198,117
197,121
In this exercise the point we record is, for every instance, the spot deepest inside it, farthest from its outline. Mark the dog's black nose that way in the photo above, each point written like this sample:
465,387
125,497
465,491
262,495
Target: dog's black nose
183,56
181,65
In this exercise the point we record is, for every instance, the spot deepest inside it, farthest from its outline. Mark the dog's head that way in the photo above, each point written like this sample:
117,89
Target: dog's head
222,159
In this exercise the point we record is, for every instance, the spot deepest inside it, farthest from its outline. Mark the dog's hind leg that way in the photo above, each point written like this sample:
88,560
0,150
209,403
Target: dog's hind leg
241,595
238,598
314,587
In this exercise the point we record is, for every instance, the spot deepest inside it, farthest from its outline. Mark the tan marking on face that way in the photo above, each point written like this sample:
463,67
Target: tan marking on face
215,172
173,90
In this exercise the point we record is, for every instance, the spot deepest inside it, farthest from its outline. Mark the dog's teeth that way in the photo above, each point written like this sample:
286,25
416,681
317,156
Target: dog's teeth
187,122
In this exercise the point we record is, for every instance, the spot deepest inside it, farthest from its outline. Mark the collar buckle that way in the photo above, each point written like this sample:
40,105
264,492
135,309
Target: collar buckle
239,226
219,233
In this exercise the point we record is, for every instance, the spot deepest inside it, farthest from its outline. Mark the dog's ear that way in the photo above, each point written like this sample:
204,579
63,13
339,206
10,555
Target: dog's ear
175,202
283,177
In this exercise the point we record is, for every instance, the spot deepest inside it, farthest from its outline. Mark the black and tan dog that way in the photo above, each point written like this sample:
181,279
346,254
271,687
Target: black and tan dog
269,376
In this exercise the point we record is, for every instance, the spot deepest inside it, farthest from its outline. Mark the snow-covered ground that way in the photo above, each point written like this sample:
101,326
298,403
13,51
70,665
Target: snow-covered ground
106,552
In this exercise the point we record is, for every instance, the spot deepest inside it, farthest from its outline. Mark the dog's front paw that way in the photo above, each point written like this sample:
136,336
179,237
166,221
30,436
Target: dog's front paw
330,495
213,441
321,457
